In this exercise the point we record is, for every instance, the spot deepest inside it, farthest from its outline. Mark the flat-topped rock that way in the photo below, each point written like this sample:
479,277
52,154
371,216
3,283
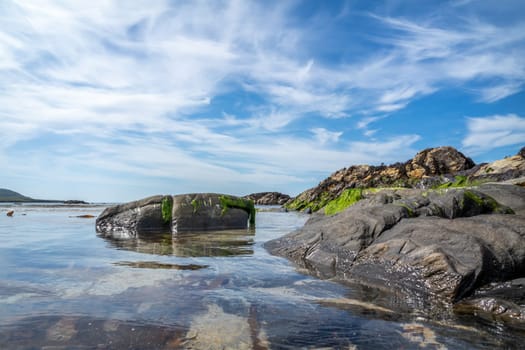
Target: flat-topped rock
175,214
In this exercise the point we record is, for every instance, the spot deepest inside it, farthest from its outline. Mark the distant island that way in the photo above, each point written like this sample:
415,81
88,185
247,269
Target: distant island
7,195
12,196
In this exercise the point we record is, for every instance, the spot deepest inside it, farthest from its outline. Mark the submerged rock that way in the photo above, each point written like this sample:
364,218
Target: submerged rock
180,213
438,245
217,329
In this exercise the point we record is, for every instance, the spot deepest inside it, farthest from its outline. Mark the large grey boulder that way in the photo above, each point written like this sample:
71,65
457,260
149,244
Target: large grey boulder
175,214
126,220
204,212
438,245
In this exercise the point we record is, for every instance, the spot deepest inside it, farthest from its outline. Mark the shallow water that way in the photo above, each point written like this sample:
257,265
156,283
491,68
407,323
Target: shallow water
64,287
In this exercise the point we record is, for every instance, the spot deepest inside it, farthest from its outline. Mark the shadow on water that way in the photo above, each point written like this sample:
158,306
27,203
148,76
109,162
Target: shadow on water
192,244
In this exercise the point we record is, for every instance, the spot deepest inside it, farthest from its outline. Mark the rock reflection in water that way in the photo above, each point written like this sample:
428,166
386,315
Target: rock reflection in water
191,244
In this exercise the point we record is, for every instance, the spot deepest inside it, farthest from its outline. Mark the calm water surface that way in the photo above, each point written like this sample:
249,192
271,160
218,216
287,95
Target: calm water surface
63,287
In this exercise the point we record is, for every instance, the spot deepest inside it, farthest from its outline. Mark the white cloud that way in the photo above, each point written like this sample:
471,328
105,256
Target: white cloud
425,56
369,132
498,92
324,136
495,131
131,88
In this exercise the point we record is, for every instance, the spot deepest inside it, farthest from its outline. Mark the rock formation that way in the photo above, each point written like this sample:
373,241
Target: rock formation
431,244
268,198
180,213
430,168
427,163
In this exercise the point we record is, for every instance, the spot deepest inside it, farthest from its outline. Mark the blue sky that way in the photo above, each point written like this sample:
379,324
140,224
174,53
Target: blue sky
117,100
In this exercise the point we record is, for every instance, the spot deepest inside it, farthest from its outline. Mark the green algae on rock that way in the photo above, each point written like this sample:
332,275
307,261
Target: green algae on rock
167,208
247,205
180,213
346,199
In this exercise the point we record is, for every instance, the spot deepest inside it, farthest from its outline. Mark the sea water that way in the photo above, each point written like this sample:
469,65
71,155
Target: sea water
64,287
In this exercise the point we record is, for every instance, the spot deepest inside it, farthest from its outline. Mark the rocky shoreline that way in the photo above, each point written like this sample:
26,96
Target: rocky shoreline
430,168
458,243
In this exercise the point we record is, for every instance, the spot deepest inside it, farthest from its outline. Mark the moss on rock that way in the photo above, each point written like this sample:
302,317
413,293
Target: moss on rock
166,209
239,203
300,203
347,198
488,204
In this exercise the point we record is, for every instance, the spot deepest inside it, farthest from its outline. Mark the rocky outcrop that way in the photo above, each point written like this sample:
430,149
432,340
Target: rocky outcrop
502,169
430,168
438,245
268,198
175,214
437,161
428,163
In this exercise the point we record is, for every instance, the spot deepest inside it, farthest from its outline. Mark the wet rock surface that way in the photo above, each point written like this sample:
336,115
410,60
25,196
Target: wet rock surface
126,220
439,246
175,214
500,301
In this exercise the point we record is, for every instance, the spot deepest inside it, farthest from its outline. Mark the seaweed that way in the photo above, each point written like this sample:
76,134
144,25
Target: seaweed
347,198
166,209
239,203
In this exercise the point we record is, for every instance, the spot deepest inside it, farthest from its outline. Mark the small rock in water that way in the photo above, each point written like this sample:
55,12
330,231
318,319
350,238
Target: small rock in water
10,213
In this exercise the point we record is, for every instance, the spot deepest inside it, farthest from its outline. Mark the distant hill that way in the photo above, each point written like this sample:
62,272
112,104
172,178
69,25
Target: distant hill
12,196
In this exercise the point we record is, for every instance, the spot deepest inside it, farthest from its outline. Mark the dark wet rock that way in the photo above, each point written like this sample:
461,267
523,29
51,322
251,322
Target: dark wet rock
506,194
268,198
503,302
126,220
438,245
175,214
202,212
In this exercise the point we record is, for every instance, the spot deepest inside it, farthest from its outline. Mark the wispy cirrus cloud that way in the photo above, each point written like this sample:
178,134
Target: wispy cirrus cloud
494,131
244,92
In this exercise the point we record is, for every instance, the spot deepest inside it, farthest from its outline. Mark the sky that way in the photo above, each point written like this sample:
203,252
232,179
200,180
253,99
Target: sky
110,101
